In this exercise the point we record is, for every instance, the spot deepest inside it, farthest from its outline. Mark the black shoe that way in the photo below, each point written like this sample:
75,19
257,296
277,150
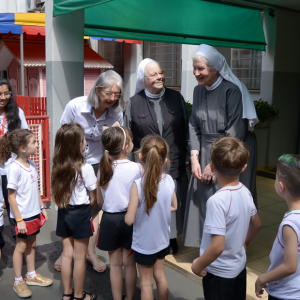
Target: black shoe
173,246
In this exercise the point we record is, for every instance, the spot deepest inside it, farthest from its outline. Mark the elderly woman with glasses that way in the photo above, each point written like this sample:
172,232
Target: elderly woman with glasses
155,109
103,106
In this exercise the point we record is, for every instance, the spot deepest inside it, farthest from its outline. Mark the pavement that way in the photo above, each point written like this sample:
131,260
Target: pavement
48,249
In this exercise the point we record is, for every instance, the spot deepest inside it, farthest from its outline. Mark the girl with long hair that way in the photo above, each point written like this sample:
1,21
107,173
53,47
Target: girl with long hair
11,117
27,213
115,177
73,185
152,199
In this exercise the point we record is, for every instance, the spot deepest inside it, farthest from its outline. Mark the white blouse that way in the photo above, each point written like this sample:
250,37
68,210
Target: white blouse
80,111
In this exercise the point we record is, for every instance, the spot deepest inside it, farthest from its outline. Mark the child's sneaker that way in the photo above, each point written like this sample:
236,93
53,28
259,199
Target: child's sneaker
38,280
22,289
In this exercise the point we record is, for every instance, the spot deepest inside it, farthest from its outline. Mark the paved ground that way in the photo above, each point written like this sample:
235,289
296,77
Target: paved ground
271,209
48,249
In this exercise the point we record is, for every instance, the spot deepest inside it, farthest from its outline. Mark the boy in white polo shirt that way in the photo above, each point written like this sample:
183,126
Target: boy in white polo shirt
282,281
231,223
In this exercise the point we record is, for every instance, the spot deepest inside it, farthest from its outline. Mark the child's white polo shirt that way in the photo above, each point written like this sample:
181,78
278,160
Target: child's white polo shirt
288,287
88,182
117,194
25,182
228,213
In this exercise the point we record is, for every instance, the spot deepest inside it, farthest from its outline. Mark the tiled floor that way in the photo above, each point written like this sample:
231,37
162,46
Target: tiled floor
271,209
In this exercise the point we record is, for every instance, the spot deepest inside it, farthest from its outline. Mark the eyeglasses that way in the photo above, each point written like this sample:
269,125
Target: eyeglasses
109,94
155,75
5,94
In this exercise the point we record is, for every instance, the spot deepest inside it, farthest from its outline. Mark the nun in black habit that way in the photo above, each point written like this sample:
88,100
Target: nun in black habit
155,109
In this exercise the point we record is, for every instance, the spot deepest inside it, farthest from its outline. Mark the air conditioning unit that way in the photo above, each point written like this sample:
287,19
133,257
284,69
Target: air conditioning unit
35,5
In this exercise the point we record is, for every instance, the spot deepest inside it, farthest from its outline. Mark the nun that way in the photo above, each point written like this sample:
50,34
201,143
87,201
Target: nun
222,106
155,109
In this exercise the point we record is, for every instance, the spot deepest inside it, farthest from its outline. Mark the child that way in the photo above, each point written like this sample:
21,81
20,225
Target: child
152,199
282,281
73,184
115,177
2,242
231,223
26,207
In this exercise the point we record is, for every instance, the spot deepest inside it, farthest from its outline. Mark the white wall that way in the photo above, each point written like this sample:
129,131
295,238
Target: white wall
13,6
133,55
188,81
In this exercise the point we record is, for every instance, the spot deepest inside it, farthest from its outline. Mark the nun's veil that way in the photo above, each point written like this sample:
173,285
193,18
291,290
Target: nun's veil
140,85
219,63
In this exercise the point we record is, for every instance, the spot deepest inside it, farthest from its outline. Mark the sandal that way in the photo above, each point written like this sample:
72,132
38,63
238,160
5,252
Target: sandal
71,296
96,266
92,296
57,264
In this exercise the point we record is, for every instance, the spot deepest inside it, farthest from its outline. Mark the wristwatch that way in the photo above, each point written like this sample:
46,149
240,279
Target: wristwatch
194,154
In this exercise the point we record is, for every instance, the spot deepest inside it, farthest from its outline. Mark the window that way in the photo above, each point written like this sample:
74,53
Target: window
169,58
113,53
246,65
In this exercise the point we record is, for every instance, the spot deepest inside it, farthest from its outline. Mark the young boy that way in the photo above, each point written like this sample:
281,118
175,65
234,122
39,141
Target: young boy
231,223
282,281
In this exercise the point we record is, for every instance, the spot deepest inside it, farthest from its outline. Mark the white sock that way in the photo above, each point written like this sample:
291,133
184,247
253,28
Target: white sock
31,274
17,280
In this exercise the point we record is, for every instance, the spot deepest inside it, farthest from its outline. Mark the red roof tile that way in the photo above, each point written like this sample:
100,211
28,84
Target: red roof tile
34,55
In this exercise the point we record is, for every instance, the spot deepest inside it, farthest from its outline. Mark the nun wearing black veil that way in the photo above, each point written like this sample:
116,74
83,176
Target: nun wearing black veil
155,109
222,106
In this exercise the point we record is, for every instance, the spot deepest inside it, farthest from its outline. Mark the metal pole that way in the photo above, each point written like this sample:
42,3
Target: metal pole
22,64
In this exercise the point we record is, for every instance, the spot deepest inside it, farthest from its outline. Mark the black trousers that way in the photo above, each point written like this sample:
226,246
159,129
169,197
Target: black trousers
273,298
5,193
218,288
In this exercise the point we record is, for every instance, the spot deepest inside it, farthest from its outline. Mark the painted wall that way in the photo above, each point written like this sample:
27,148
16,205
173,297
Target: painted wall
13,6
284,135
90,76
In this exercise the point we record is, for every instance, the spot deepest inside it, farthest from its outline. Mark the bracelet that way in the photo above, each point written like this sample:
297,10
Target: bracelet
194,154
44,207
19,220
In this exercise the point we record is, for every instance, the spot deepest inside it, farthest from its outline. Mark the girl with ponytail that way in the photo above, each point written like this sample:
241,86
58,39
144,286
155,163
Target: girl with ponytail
152,199
115,176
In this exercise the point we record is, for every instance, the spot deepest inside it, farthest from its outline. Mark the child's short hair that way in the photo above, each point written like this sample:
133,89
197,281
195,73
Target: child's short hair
229,155
288,171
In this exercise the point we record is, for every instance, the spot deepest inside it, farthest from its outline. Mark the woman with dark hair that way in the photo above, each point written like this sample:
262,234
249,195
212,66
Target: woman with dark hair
11,117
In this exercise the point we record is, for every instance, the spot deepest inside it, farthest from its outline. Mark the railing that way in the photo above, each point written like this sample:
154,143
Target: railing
32,106
40,126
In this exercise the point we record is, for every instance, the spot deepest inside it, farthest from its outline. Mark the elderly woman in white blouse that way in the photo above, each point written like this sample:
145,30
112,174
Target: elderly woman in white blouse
102,107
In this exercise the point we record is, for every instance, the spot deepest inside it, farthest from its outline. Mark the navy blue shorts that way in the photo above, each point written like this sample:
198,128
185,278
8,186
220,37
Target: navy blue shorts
2,242
150,259
114,232
75,221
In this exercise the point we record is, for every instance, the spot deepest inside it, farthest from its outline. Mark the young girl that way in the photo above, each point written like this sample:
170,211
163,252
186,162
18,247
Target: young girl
26,206
115,177
152,199
73,184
